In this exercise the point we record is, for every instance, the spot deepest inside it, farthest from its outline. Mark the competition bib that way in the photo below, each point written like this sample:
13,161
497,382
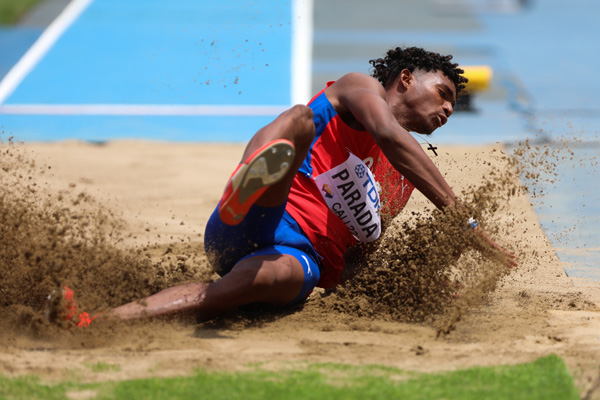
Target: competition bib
350,193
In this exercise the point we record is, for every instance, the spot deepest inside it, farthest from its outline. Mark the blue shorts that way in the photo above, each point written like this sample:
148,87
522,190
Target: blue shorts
264,231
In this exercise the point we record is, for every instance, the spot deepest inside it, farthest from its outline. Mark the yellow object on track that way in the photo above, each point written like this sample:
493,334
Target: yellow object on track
479,76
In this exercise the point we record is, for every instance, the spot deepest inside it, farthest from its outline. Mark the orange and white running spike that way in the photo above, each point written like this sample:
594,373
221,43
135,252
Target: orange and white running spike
71,307
265,167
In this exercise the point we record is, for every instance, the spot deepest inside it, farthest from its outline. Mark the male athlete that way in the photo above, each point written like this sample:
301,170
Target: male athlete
317,180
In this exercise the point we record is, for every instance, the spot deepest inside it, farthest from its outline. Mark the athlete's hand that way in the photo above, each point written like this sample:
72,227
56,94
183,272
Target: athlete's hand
507,257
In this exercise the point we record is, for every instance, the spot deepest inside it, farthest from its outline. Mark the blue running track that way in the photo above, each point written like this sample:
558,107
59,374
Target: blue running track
184,70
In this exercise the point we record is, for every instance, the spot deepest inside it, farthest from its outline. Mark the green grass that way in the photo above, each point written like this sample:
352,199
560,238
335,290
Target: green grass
547,378
103,367
12,10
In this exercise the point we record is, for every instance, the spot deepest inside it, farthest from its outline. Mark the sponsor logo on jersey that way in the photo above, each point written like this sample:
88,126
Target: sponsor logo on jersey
350,192
327,191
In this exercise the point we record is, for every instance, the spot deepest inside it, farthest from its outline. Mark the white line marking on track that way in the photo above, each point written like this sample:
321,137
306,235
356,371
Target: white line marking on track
142,109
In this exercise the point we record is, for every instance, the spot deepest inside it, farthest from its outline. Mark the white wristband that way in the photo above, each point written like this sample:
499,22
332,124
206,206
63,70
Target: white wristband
472,223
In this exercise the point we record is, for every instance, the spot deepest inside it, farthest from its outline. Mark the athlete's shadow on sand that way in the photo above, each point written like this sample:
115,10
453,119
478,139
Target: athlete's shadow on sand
250,316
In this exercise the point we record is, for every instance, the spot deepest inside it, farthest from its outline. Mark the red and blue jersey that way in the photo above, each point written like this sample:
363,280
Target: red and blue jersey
334,142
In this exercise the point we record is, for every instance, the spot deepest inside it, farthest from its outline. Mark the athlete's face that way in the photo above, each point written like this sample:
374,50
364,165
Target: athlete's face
428,100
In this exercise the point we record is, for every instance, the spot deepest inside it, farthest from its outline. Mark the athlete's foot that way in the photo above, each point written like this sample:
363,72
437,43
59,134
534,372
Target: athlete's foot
267,166
62,306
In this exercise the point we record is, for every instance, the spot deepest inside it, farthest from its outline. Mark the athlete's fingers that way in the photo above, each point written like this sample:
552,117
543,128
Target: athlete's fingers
509,258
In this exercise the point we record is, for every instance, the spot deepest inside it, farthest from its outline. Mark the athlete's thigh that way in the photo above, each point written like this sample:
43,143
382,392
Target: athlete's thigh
288,274
274,279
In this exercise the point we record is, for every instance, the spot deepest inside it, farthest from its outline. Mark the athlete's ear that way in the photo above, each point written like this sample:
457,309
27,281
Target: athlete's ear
405,79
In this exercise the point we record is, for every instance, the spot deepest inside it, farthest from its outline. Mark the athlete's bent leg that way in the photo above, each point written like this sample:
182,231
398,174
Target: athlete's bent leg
270,162
275,279
269,279
295,125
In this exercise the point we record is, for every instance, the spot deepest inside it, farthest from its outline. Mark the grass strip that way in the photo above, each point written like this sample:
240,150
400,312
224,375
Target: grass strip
546,378
12,10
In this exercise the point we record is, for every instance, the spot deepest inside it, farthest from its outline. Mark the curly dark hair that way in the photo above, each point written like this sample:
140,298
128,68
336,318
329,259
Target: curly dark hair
387,69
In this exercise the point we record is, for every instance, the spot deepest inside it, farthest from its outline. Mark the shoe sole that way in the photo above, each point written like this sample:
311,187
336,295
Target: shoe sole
266,167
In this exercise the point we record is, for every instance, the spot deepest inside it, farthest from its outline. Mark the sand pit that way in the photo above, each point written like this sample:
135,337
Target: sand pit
162,195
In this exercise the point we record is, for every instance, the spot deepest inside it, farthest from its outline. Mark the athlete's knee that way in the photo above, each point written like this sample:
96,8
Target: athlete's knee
270,279
303,116
264,280
303,125
273,277
301,112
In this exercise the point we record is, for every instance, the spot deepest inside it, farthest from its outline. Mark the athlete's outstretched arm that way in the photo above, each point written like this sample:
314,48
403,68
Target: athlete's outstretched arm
364,98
